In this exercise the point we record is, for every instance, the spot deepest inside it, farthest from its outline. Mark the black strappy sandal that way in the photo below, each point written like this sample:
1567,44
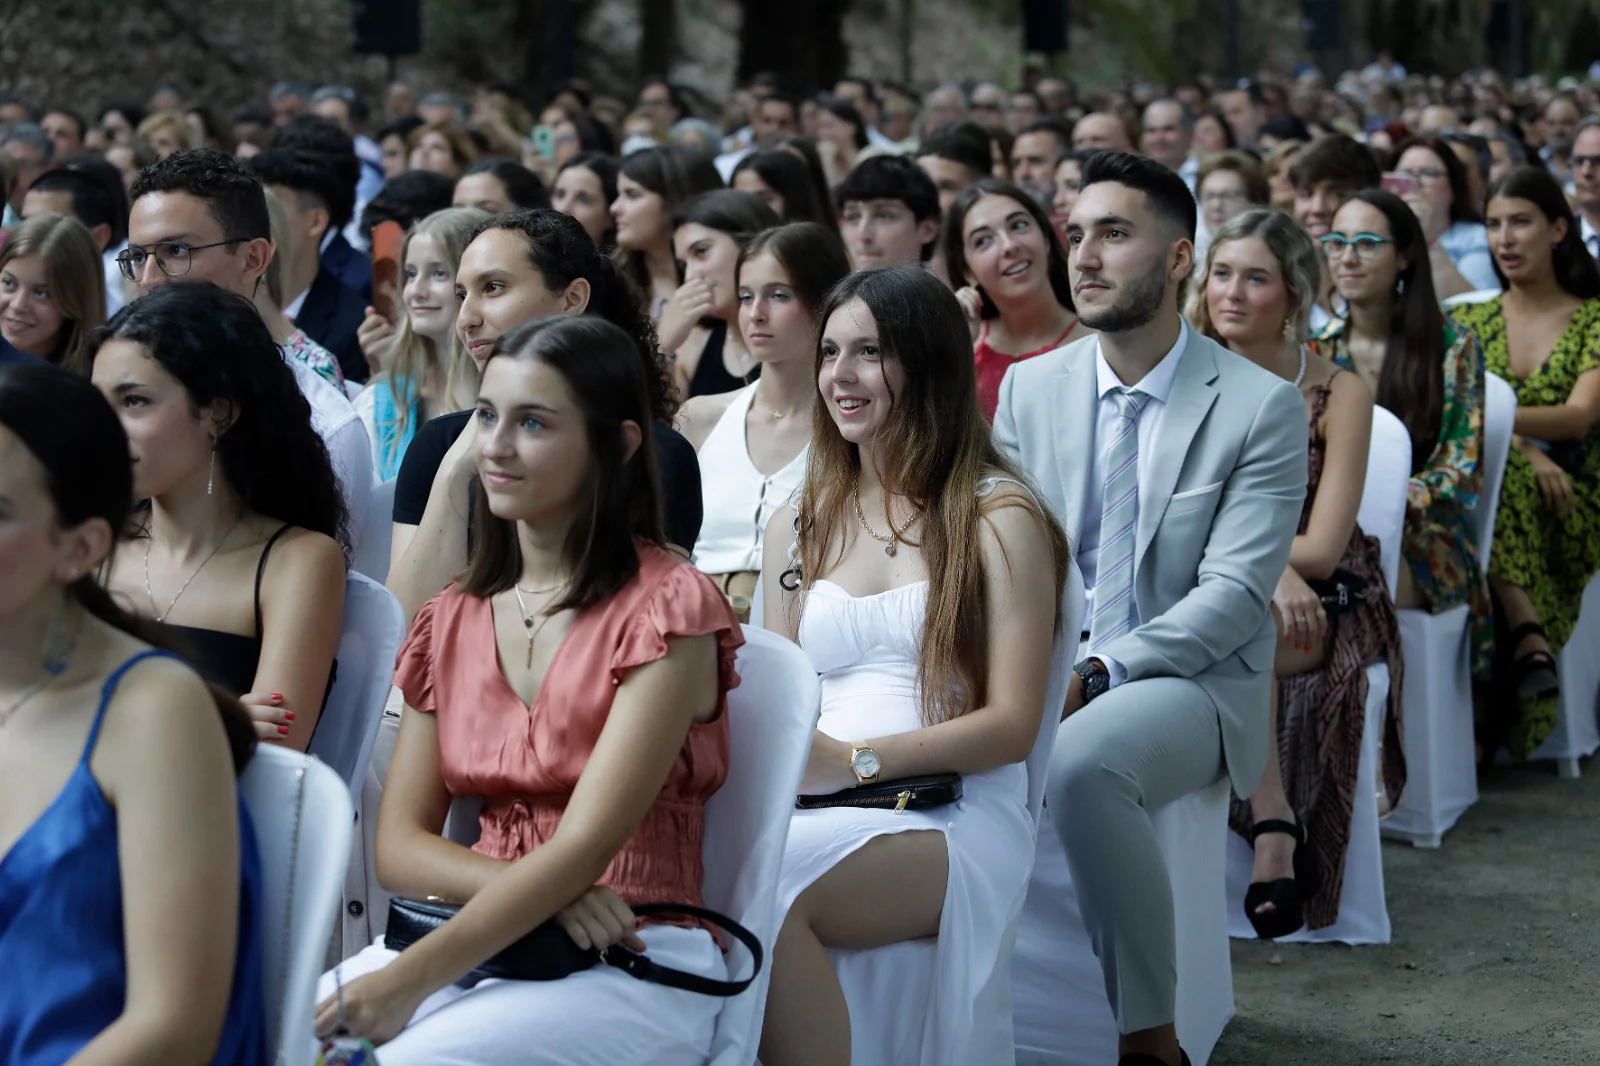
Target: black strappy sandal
1287,895
1534,673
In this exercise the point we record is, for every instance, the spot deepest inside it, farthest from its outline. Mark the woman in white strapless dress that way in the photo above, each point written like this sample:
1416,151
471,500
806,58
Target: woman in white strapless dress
918,678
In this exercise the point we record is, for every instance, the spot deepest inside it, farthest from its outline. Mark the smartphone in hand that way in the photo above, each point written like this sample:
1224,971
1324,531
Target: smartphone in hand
387,239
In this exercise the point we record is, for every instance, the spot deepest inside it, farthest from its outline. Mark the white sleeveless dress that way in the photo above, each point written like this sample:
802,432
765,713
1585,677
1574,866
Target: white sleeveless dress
923,1002
738,499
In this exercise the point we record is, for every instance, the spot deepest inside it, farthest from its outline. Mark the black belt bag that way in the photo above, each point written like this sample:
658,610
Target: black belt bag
907,794
1341,593
548,953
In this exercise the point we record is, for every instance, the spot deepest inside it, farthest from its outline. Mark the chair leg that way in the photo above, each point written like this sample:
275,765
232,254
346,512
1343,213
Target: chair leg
1568,769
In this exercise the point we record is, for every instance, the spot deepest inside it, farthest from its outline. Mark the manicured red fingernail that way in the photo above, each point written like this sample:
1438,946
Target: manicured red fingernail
283,730
277,697
289,715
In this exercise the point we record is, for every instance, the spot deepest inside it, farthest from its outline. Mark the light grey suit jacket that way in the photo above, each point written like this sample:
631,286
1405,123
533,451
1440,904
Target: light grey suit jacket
1217,514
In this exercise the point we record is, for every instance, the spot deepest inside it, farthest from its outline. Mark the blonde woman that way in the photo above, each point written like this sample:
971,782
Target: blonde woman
428,371
167,132
52,290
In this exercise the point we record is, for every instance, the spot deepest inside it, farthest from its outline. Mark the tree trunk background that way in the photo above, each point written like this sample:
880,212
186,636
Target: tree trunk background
801,41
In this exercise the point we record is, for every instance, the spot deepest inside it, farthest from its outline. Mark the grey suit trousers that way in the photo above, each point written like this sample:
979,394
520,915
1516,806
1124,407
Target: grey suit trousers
1134,749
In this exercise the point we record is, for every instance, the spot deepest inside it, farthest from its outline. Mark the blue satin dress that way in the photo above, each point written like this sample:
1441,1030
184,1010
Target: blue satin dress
63,968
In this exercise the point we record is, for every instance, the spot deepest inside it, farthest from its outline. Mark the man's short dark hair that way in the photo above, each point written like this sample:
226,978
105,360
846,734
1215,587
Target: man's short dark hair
323,137
964,143
1168,196
1338,158
77,119
308,175
890,177
258,115
1061,129
91,202
232,195
781,97
407,197
109,178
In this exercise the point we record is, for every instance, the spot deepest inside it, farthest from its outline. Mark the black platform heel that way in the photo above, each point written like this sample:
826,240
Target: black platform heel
1287,895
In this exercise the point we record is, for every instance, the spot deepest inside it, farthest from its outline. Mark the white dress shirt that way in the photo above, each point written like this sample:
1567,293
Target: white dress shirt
336,422
116,295
1591,237
1156,387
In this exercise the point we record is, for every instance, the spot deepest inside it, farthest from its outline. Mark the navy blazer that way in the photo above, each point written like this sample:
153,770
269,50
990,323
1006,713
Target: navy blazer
331,315
8,354
349,266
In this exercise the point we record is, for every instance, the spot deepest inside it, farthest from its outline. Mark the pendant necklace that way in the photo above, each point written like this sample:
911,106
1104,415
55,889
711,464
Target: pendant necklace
892,541
532,628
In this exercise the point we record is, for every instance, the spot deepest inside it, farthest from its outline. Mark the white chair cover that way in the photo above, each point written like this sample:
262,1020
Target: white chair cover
373,628
772,716
1363,914
1441,758
297,919
1062,1017
1577,732
372,555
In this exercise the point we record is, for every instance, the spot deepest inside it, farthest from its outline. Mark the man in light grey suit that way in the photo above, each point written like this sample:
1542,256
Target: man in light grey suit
1178,470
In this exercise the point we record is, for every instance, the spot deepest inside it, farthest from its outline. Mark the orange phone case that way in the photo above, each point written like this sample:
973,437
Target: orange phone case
387,238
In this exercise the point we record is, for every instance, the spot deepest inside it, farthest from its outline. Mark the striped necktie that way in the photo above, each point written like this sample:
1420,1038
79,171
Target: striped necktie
1119,515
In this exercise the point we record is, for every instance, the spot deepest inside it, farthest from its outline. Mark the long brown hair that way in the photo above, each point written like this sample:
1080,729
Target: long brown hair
600,364
941,448
76,277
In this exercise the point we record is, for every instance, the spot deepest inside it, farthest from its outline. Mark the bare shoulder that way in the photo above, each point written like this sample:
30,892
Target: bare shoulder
161,715
1347,389
699,416
1012,518
305,549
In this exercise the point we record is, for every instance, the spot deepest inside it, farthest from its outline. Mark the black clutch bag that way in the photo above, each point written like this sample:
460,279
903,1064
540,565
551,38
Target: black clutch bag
907,794
1340,593
548,953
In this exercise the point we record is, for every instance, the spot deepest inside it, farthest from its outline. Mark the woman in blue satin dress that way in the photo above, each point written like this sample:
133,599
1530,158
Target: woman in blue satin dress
129,879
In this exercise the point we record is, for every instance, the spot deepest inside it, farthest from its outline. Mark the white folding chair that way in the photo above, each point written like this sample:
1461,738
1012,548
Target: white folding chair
1441,758
372,556
1478,296
302,816
772,716
373,628
1363,913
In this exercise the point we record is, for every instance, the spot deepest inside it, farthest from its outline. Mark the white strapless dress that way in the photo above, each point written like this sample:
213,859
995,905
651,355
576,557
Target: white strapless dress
931,1002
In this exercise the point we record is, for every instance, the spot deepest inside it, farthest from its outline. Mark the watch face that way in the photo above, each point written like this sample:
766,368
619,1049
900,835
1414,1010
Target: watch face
866,763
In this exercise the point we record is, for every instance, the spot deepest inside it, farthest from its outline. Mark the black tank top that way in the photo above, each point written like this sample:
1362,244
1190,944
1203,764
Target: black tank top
227,659
711,378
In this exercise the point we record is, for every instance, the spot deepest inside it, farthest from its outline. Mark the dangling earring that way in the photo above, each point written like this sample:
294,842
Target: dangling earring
1288,328
1400,286
61,642
211,477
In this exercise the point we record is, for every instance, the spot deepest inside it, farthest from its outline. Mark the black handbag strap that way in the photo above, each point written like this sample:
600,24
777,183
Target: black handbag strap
642,968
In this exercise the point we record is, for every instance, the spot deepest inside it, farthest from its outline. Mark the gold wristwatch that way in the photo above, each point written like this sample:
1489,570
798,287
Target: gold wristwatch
864,763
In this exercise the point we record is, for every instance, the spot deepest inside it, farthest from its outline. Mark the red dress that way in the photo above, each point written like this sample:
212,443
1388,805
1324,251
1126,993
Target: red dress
525,761
992,366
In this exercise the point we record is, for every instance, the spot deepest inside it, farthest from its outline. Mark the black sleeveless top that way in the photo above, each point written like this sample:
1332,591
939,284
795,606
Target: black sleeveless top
227,659
711,377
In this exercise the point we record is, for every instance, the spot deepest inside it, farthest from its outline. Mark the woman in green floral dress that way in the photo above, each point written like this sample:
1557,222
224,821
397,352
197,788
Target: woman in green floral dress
1543,336
1429,376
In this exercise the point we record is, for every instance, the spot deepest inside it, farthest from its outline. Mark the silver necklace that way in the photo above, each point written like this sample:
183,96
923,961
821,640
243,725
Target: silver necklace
161,616
54,666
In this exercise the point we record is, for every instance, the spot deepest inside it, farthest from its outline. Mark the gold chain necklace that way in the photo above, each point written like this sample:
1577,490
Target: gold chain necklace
892,541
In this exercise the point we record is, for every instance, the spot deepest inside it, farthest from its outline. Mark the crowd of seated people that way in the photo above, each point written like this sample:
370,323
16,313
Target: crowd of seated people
957,395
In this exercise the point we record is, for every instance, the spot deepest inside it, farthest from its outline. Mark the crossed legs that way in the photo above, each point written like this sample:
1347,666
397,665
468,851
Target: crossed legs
1136,748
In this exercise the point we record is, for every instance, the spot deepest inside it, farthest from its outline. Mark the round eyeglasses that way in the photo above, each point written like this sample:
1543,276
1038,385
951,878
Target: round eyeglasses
1365,244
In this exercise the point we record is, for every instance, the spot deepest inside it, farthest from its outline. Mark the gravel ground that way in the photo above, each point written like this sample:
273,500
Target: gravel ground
1496,952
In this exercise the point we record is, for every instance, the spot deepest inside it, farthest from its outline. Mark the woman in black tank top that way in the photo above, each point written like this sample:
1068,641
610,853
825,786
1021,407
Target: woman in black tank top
701,326
239,549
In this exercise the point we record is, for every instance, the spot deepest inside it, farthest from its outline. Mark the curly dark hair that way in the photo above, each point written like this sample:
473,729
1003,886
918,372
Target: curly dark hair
232,194
215,344
562,251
